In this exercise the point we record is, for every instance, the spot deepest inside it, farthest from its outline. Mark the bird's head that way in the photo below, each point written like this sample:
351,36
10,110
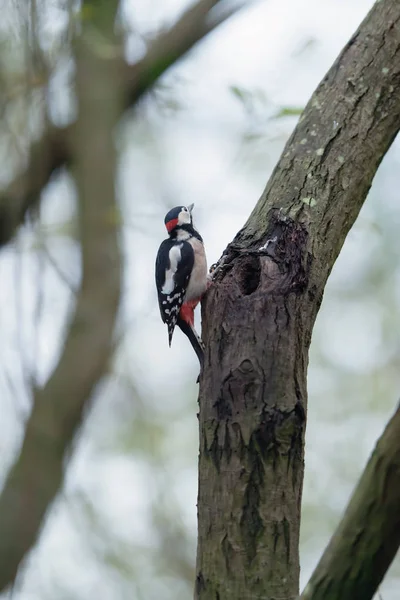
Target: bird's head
178,217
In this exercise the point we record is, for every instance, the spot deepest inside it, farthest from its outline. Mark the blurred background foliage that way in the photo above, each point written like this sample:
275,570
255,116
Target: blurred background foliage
124,525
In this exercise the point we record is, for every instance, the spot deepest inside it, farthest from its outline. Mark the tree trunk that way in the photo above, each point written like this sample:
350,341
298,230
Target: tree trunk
252,421
259,315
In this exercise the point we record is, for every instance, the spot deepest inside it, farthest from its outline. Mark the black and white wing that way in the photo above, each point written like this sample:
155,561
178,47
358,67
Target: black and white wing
174,266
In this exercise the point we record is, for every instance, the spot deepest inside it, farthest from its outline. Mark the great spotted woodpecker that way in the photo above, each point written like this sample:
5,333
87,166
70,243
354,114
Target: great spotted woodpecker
181,275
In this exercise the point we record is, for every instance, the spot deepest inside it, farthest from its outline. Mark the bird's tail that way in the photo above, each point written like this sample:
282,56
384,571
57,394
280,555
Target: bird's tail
188,329
171,327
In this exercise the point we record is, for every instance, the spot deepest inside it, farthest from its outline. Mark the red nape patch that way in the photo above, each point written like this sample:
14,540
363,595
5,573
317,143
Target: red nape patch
187,313
171,224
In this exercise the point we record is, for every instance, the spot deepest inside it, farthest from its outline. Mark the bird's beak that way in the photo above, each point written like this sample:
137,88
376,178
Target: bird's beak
190,208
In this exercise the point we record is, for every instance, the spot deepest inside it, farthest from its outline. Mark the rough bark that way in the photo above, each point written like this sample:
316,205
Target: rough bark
259,315
37,475
368,537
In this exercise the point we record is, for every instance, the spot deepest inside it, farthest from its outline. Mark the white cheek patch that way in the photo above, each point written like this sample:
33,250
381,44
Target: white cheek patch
184,217
174,258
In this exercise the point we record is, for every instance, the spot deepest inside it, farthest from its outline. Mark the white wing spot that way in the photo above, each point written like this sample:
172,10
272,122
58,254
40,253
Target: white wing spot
174,297
174,258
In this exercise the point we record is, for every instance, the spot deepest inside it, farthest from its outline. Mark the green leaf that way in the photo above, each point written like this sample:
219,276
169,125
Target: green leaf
288,111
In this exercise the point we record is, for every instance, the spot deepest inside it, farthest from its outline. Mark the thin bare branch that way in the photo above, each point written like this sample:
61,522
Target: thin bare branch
44,249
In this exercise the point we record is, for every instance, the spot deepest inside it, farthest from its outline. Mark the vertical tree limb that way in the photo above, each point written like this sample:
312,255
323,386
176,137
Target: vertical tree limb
36,477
